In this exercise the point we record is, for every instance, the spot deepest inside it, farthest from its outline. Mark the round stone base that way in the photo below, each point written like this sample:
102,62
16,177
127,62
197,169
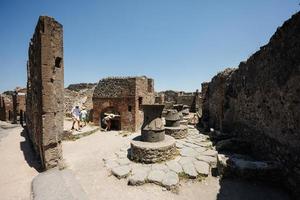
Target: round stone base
177,132
152,152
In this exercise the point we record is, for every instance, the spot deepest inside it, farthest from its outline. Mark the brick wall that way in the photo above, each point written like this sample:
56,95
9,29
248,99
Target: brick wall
45,87
124,95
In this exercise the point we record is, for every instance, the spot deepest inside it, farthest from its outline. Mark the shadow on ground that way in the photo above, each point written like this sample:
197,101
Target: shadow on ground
30,156
236,189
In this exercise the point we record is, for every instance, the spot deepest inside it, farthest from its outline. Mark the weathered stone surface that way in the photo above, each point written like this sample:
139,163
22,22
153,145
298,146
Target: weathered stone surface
149,152
137,167
123,96
160,166
174,166
210,152
111,164
188,152
260,101
138,178
246,167
121,171
211,160
45,91
57,185
185,160
156,176
123,161
179,145
190,170
177,132
200,149
170,180
202,168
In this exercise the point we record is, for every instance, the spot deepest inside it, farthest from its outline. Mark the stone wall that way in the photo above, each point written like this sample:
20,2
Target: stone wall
170,97
6,107
123,96
45,91
260,101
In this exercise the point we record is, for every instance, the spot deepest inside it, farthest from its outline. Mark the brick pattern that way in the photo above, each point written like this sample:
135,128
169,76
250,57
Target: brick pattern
123,95
45,91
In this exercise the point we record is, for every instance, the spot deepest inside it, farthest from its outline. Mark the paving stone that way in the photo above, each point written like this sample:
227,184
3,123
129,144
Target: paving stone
156,176
179,145
211,160
190,170
171,180
138,178
191,145
174,166
135,168
111,164
188,152
160,166
121,171
185,160
124,161
205,144
210,152
200,149
202,167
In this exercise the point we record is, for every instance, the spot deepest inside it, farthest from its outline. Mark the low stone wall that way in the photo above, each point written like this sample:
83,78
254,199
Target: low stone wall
153,152
260,101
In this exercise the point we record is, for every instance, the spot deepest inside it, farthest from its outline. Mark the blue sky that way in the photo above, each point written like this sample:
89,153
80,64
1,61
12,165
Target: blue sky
179,43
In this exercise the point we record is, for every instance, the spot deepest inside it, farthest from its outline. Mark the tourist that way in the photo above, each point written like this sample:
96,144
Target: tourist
107,120
83,116
76,117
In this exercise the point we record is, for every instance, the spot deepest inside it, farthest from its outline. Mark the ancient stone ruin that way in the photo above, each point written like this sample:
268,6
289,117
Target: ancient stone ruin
173,126
6,107
259,102
153,145
45,91
170,98
123,96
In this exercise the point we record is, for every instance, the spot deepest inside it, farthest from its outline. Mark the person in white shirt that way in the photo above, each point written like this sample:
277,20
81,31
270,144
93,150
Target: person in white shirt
83,116
76,117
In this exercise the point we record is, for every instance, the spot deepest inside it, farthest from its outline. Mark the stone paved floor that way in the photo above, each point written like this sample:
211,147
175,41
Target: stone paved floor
196,158
85,157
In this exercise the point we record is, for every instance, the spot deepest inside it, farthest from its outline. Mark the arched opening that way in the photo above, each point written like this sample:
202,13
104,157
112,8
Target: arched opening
115,122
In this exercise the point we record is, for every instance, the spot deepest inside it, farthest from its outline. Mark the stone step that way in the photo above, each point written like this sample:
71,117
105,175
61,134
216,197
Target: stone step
57,184
243,166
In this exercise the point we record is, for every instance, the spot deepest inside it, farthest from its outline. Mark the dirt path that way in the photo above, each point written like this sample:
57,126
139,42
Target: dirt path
17,166
85,155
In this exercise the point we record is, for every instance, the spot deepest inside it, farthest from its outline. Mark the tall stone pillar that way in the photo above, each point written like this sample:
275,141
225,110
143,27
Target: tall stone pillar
45,91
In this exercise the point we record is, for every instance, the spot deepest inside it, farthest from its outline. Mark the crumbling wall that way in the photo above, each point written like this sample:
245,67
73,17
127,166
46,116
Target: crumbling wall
260,101
45,91
191,99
